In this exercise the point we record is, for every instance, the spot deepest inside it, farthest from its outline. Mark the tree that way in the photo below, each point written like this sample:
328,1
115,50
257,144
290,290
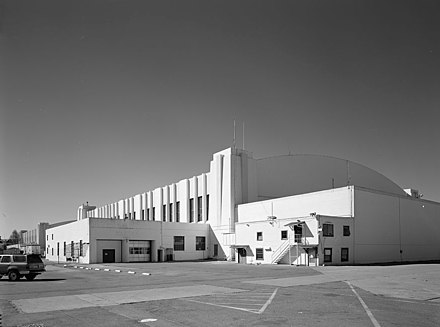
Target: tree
15,237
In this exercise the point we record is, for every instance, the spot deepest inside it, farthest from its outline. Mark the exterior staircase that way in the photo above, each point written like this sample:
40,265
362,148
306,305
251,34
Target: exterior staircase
279,253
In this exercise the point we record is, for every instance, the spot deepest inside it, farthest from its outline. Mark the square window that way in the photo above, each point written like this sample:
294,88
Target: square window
346,231
344,254
327,230
328,255
179,243
259,254
259,236
284,235
200,243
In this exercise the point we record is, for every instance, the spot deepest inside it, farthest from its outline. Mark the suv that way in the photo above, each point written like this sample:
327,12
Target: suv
19,265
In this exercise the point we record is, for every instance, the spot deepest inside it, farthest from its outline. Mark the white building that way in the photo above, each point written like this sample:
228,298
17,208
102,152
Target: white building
297,209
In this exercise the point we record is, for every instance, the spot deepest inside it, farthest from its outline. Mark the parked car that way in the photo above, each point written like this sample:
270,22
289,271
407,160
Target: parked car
16,266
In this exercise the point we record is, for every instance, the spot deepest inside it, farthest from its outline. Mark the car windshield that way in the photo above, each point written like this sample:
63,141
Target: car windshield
34,258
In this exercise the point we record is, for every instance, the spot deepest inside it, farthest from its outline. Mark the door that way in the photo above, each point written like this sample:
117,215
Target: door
108,255
241,255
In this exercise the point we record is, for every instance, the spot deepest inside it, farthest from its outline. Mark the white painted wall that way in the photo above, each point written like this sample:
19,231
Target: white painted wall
386,225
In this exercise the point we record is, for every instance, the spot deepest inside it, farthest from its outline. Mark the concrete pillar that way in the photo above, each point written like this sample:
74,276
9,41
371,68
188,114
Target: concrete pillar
125,250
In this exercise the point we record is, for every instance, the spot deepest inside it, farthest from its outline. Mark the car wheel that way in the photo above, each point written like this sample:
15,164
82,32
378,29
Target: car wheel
14,275
31,276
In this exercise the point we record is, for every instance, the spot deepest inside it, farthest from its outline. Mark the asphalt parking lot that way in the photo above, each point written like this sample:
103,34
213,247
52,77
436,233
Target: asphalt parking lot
224,294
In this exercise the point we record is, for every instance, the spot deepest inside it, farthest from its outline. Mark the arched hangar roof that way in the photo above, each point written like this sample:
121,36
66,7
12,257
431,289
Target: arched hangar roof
297,174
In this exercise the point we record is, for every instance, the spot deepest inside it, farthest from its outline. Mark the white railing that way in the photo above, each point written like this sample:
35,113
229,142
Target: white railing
280,252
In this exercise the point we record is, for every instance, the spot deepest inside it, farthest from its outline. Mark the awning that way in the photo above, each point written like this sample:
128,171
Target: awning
295,223
236,246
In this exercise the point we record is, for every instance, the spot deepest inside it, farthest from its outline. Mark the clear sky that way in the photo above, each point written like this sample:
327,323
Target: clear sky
102,100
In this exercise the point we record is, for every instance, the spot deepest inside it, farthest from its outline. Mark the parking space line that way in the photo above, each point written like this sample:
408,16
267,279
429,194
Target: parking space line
245,302
367,310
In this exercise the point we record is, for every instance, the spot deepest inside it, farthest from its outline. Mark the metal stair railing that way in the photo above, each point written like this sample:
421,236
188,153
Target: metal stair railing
280,252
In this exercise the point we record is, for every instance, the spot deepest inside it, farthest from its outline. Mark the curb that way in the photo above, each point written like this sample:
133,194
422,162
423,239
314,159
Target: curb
107,270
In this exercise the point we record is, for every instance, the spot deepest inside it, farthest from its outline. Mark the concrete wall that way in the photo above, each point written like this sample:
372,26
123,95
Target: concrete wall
395,229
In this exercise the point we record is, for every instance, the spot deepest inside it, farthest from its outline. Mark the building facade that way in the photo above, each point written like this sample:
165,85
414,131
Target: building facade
296,209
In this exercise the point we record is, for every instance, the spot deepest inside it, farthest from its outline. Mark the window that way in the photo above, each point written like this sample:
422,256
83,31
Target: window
179,243
64,249
199,208
344,254
284,235
134,215
259,254
170,212
327,230
328,255
259,236
154,213
346,231
81,248
298,230
143,214
177,211
47,237
215,250
129,215
72,249
52,237
200,243
207,207
191,210
125,216
58,248
148,214
164,212
6,258
52,251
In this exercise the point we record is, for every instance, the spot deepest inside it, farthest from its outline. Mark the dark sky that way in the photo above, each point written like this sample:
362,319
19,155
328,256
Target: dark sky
101,100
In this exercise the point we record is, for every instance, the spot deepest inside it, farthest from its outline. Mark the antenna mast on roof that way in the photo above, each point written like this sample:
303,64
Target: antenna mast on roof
234,136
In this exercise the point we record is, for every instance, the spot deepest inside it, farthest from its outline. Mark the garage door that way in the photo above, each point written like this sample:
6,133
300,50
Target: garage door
139,251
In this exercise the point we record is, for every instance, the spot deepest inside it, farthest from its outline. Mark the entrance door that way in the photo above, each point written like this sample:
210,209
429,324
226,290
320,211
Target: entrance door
108,255
241,255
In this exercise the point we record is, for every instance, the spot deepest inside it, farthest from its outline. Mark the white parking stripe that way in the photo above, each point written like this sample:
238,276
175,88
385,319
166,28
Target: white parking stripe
367,310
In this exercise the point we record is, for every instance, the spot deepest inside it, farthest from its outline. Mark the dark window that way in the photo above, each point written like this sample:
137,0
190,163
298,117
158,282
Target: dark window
134,215
344,254
19,258
170,212
200,243
215,250
346,231
52,237
6,258
298,230
52,251
58,248
125,216
47,237
327,254
164,212
259,254
143,214
154,213
72,249
207,206
65,249
199,208
177,211
179,243
148,214
284,235
81,248
129,215
327,230
191,210
259,236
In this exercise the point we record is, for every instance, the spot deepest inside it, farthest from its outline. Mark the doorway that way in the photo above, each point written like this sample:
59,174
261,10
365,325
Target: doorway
242,255
108,255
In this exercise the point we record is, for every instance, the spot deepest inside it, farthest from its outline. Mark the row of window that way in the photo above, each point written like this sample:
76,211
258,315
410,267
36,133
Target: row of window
74,249
328,230
179,243
146,215
328,255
